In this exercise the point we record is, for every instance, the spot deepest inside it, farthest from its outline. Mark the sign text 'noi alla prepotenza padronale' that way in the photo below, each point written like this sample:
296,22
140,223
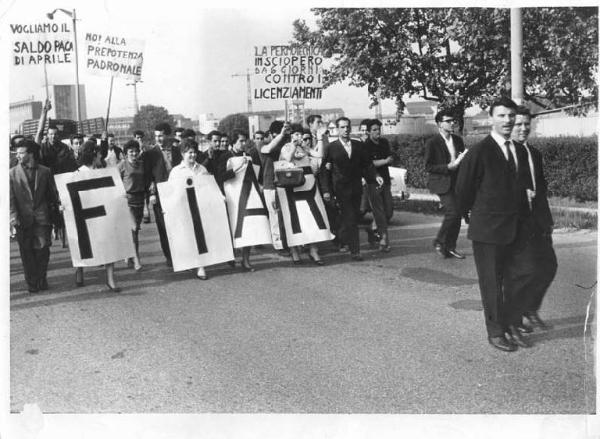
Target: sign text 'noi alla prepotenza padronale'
288,72
41,43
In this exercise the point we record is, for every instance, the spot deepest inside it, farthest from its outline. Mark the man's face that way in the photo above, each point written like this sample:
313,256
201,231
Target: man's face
52,134
315,125
132,154
139,139
259,140
224,143
240,144
364,134
447,125
375,132
503,120
178,135
522,128
344,129
297,138
215,142
111,141
306,140
160,137
24,157
76,145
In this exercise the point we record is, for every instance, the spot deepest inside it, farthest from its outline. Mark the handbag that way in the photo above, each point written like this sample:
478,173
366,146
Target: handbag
289,177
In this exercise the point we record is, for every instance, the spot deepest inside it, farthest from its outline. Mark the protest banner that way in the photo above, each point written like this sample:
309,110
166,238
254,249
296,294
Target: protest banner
196,222
303,212
398,180
41,43
96,216
114,55
248,215
288,72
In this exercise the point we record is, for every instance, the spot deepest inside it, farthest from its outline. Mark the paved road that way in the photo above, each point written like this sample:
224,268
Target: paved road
398,333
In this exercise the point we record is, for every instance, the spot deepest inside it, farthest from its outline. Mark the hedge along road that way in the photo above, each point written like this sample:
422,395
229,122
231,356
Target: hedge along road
401,332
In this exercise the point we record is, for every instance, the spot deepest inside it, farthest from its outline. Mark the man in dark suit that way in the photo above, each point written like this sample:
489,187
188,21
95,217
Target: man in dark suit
33,202
443,154
540,243
343,168
491,184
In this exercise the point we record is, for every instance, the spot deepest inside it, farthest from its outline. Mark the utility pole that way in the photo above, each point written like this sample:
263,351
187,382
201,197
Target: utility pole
249,91
135,95
516,55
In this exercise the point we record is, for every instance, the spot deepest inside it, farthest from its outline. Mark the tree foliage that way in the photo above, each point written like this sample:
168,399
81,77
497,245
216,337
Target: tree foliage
457,56
229,124
148,117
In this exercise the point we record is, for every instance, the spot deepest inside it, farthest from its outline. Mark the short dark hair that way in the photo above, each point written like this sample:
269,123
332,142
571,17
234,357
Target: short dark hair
188,132
188,144
311,118
31,147
164,127
237,133
339,119
522,110
372,123
179,130
364,122
443,112
75,136
88,152
213,133
296,128
16,139
262,133
130,144
276,126
307,131
502,101
138,133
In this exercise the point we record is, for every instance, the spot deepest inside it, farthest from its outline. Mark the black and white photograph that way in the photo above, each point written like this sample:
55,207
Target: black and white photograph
304,220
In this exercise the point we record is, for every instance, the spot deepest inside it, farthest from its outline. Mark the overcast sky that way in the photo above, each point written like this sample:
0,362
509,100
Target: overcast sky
189,58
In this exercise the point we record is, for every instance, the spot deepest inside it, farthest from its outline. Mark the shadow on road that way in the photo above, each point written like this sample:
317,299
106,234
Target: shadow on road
438,277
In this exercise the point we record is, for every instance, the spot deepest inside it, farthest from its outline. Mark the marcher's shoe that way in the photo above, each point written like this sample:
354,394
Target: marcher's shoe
439,248
32,288
43,284
285,253
169,263
114,289
454,254
524,329
372,237
344,249
502,343
536,321
516,338
357,257
247,267
129,262
315,260
232,263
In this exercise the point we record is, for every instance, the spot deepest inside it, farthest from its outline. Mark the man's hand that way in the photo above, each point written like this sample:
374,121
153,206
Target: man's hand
13,231
152,200
379,180
322,132
327,197
390,160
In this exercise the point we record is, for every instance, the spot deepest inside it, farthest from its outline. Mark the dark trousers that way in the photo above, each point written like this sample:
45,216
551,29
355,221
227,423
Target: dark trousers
162,231
450,228
504,273
380,200
350,208
546,265
35,261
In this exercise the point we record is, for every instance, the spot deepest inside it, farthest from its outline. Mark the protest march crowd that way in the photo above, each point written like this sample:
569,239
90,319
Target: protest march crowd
292,187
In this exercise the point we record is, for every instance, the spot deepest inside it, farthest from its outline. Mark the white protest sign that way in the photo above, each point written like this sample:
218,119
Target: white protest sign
41,43
114,55
196,221
398,180
96,216
303,212
288,72
248,215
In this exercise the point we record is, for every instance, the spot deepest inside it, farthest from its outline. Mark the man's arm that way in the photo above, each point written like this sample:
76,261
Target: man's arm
467,182
42,123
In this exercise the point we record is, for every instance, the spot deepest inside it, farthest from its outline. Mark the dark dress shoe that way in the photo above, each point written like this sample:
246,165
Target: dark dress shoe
502,343
33,288
524,329
169,263
357,257
316,261
114,289
297,261
231,264
247,267
455,254
517,338
536,321
43,284
440,250
202,277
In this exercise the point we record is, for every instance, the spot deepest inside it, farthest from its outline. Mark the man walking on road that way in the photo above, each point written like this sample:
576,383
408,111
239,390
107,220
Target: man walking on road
343,168
540,244
492,182
443,154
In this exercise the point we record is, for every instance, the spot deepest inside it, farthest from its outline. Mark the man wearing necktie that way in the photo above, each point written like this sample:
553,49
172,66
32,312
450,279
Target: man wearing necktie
492,182
541,241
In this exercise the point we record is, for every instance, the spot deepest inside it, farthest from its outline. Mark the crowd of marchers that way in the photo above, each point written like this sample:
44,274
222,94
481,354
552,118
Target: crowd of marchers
497,186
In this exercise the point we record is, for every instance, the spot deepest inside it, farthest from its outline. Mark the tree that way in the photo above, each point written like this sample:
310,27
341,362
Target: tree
147,118
457,57
229,124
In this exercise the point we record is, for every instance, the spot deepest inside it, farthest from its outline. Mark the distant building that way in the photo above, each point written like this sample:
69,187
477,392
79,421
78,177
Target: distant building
21,111
207,122
63,101
182,122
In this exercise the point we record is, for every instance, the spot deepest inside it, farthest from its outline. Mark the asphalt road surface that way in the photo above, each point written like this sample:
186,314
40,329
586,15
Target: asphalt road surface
401,332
